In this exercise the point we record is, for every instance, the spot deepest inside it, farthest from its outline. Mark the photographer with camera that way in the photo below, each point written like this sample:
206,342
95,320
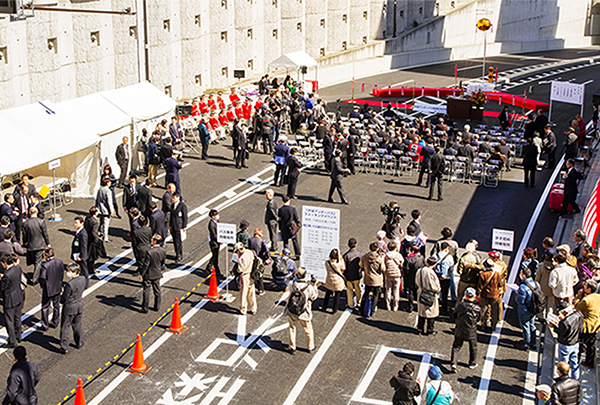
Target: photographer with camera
303,291
392,220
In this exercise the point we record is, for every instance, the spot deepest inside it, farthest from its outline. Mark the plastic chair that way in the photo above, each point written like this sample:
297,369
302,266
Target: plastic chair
477,174
459,170
405,167
492,176
388,165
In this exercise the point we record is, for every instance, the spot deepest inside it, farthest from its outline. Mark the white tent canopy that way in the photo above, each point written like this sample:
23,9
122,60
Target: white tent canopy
141,101
293,61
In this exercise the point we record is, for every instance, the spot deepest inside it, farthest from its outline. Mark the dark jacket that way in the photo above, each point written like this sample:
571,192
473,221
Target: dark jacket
530,155
122,155
72,296
566,391
130,196
142,238
35,234
437,165
10,285
20,388
569,329
144,199
351,258
153,263
571,181
80,245
287,215
337,170
271,212
412,264
467,315
158,224
179,217
328,146
172,167
51,276
406,389
213,234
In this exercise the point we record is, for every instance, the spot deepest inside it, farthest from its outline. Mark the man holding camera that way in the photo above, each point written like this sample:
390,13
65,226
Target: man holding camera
308,289
392,221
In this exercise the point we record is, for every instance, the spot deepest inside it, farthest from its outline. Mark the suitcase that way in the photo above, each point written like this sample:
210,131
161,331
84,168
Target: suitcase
556,198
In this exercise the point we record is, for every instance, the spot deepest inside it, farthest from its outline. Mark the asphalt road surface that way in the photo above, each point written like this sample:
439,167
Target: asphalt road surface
227,358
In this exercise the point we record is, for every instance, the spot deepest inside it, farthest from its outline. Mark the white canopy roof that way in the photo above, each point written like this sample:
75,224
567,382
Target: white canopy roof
141,101
293,61
95,111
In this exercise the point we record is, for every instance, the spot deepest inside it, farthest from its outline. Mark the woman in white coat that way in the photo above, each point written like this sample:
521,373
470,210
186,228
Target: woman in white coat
426,279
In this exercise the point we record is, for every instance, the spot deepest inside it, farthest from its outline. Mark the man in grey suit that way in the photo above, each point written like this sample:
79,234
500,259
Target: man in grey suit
104,203
72,311
10,285
35,239
271,218
337,175
51,278
151,273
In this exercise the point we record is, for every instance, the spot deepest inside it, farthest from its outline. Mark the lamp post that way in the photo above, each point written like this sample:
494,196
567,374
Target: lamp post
484,24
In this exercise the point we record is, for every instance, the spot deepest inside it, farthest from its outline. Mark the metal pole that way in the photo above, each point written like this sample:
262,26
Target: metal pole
227,269
550,112
484,54
54,192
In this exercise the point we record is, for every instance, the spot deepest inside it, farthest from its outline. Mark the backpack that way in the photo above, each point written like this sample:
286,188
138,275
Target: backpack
296,304
258,268
537,303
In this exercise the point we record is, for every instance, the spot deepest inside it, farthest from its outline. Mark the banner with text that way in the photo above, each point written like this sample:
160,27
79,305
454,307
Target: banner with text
320,234
567,92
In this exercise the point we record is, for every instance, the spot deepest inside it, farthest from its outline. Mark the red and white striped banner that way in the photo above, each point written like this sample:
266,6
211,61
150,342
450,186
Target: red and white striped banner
591,217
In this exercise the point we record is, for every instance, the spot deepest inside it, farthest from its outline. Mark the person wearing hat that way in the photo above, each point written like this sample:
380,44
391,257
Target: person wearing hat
488,289
496,257
281,151
247,292
437,392
467,314
426,279
468,268
243,235
544,393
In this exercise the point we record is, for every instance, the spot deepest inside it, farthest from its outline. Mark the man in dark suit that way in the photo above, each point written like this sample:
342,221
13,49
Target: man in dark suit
328,148
10,285
337,175
142,237
530,158
21,205
213,242
72,308
530,128
415,222
157,222
79,249
34,201
122,156
167,202
271,219
351,151
550,145
178,225
503,118
130,193
7,210
288,215
280,152
51,279
570,196
24,376
151,272
144,197
26,181
172,167
240,139
9,245
541,121
95,245
175,130
437,166
426,153
35,239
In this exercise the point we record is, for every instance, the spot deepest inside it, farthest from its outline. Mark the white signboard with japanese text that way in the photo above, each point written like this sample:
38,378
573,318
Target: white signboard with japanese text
226,233
320,234
502,240
572,93
426,108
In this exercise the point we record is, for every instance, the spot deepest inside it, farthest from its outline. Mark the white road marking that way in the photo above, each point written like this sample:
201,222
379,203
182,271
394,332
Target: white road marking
310,369
529,397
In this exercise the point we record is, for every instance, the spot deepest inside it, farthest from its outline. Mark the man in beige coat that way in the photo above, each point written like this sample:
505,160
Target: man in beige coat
373,268
426,279
247,292
309,289
542,276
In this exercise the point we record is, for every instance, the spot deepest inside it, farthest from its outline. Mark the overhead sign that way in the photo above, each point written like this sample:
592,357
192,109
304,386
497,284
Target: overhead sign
320,234
226,233
572,93
55,164
430,108
502,240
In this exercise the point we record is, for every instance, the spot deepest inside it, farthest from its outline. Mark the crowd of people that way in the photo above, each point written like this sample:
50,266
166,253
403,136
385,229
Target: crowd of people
463,285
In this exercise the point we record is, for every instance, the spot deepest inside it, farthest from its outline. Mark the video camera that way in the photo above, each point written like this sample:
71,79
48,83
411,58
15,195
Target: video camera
392,212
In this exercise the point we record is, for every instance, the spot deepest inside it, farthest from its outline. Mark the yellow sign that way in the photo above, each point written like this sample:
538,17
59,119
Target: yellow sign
44,191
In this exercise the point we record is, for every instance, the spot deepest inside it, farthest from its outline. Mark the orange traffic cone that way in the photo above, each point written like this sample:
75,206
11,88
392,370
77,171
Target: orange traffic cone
138,366
213,291
79,397
176,326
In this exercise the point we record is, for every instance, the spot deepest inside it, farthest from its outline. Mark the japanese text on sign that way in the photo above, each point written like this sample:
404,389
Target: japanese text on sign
226,233
320,234
502,240
567,92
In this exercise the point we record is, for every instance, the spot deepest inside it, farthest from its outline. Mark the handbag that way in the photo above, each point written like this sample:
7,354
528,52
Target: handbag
427,297
295,227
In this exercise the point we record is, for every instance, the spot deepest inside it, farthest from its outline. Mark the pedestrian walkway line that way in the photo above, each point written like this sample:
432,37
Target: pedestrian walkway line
312,366
490,357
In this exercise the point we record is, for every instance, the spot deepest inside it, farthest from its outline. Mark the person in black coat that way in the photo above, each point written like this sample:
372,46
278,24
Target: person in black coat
530,128
328,148
530,155
8,210
351,151
95,244
406,388
172,168
24,376
72,308
437,167
122,155
10,285
541,121
21,205
467,314
281,151
550,145
167,202
151,272
178,225
337,175
570,195
144,198
414,261
293,172
35,239
51,279
142,238
213,243
271,216
503,118
130,193
79,248
157,222
240,140
287,216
